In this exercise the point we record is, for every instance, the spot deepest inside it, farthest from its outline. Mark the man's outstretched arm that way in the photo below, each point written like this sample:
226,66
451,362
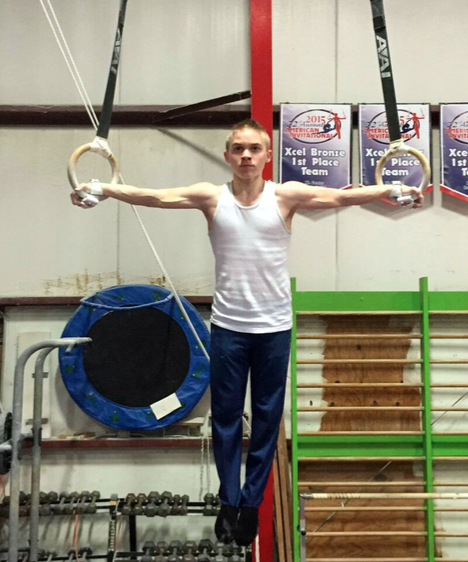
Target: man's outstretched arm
301,196
196,196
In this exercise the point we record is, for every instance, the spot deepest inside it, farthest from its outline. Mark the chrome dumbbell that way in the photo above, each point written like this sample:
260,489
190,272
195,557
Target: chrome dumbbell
151,508
190,548
69,507
149,550
162,552
165,506
92,507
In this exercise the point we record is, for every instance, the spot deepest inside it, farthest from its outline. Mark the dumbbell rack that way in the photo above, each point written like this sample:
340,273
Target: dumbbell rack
133,506
38,504
190,551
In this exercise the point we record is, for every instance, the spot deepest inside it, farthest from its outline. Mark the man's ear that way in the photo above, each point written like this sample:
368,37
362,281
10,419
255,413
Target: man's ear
269,155
226,156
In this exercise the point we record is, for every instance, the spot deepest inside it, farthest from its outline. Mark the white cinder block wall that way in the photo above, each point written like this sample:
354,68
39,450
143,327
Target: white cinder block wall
177,53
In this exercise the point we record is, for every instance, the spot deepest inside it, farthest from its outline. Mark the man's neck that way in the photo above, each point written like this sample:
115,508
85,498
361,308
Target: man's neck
247,192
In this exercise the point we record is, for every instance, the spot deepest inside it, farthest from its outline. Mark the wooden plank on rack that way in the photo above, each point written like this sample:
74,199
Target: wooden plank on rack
278,511
286,492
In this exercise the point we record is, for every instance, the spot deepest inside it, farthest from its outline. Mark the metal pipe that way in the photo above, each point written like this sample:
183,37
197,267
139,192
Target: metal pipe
36,453
16,437
386,496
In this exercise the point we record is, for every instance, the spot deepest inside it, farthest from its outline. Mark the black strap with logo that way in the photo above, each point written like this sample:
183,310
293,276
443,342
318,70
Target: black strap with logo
108,104
386,73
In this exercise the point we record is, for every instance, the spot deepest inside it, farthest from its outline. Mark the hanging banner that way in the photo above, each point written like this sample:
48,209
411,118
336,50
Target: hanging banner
415,127
454,149
315,144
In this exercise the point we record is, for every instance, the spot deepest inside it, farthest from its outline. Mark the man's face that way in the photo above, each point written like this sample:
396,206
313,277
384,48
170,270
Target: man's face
248,153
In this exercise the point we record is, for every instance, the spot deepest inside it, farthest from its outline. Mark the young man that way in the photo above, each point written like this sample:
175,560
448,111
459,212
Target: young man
249,223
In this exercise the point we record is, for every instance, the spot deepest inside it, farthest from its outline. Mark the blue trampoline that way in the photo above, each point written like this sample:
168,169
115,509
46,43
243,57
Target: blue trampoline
144,368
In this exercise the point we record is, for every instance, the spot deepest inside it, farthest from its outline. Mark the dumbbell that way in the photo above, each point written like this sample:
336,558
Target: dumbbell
205,548
127,509
44,504
84,552
138,508
49,555
69,507
58,508
161,549
53,498
91,507
81,504
71,554
165,507
151,509
221,552
175,508
149,548
25,504
209,508
176,550
236,553
5,507
190,547
184,505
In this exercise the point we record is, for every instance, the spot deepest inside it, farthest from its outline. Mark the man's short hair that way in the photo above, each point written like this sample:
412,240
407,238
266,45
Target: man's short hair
249,124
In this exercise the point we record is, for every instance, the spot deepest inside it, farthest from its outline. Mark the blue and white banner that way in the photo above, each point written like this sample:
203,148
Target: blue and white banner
315,144
454,149
415,127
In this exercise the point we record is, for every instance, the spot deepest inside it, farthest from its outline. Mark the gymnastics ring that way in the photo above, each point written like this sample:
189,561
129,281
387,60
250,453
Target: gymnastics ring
397,150
100,146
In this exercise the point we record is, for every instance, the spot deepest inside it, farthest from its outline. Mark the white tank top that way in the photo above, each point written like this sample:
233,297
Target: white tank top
250,244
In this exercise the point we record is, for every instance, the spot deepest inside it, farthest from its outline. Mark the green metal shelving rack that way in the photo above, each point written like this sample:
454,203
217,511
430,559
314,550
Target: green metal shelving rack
425,446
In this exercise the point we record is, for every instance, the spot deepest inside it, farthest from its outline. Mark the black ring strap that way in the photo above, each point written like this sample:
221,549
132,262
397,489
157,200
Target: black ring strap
108,104
385,67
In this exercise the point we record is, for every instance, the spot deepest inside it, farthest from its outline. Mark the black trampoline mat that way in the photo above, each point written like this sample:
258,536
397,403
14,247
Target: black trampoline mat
137,356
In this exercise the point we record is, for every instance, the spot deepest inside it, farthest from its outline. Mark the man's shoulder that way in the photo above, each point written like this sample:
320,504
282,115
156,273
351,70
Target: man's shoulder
207,186
289,187
205,190
290,184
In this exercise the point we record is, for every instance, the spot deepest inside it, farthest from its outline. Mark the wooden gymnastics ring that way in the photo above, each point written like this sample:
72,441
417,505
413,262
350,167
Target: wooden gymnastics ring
100,146
396,149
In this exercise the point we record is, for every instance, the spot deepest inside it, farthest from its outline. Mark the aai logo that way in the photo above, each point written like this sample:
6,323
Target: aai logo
315,126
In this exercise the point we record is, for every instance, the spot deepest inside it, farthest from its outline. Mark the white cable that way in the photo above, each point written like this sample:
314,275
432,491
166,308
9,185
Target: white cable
202,467
208,460
173,290
76,78
72,61
92,115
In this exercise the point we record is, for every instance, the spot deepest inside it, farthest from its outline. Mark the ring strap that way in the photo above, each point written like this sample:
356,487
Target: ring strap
385,67
108,103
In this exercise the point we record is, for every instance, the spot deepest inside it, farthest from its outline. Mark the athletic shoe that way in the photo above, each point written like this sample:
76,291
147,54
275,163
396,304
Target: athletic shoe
247,526
226,523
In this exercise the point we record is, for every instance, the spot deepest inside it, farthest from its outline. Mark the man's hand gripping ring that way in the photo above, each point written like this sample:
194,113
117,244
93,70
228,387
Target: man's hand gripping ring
100,146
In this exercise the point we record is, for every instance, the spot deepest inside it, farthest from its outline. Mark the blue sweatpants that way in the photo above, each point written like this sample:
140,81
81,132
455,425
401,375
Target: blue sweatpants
233,356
